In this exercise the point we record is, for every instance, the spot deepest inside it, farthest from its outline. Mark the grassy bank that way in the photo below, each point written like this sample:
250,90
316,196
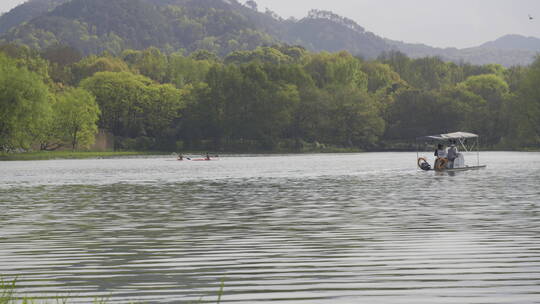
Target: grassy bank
8,295
47,155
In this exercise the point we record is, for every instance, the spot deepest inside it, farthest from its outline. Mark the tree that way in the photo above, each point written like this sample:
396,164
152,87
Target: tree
182,70
150,62
356,121
525,120
90,65
76,114
203,54
415,112
261,54
24,105
495,91
133,106
311,115
62,55
336,69
120,97
381,77
161,107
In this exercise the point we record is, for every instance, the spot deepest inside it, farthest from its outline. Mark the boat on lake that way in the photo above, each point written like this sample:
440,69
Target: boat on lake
207,158
460,145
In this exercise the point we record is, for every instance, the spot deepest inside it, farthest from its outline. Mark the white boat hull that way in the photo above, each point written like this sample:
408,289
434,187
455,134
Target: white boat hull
467,168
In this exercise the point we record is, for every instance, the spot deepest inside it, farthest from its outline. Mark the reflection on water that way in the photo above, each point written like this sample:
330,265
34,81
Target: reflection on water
355,228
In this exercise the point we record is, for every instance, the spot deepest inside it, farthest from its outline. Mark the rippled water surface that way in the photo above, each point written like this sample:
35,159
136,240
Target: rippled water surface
352,228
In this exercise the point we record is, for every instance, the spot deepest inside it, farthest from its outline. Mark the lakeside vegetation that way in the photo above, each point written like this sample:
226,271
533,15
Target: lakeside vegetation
279,98
9,295
47,155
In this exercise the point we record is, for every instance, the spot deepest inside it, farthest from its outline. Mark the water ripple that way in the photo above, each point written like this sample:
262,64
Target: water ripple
289,229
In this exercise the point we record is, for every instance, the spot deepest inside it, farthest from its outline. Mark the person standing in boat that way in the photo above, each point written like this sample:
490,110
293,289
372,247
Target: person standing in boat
452,155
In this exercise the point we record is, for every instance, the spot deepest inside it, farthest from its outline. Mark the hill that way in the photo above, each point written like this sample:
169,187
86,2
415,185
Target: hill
513,42
26,12
488,53
94,26
220,26
326,31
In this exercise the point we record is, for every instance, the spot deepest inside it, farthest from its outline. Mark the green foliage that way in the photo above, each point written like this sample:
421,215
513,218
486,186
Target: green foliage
241,104
525,110
262,54
356,121
75,118
495,92
429,73
132,105
150,62
102,25
182,71
270,98
381,77
24,105
90,65
119,96
162,106
24,56
336,69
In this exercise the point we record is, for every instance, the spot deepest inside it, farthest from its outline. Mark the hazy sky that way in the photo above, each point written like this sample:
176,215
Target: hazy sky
442,23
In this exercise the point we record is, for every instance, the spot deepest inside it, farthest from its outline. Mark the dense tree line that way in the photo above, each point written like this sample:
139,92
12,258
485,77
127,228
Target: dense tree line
272,98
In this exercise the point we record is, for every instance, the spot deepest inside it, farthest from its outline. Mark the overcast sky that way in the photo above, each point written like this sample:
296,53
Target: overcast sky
441,23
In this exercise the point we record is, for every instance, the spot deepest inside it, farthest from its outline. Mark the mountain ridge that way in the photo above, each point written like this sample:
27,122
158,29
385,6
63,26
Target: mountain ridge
222,26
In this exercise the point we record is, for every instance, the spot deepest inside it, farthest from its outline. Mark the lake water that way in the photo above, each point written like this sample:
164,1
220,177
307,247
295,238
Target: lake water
336,228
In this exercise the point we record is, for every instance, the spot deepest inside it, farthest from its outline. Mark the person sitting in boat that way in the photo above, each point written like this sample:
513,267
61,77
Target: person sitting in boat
440,153
452,155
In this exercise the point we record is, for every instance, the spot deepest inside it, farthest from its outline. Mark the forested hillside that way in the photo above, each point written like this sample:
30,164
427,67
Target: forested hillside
280,98
26,12
219,26
171,25
325,31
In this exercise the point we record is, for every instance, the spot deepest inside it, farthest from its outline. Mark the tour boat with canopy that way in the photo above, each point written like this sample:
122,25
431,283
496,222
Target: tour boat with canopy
460,144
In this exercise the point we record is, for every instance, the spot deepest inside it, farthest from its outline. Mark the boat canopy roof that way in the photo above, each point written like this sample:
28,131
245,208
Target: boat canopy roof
449,136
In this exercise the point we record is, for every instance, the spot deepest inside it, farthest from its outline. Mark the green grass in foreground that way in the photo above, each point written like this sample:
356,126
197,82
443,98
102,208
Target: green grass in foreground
46,155
8,295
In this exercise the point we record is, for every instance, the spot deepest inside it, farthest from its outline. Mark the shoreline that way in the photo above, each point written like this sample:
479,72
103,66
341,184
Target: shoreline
52,155
66,155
